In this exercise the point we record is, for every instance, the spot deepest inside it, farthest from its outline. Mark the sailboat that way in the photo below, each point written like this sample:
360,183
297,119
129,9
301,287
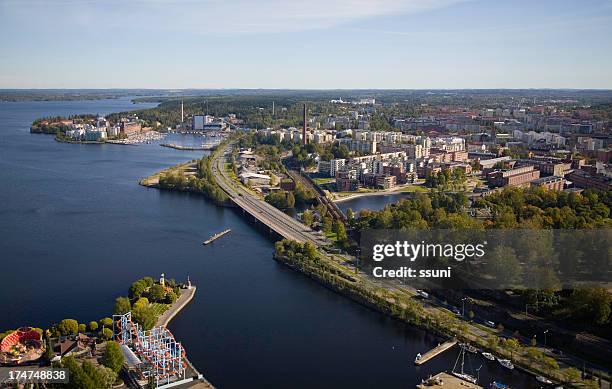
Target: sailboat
461,374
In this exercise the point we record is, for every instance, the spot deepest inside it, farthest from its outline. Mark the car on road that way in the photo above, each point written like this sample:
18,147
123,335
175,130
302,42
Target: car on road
489,323
456,311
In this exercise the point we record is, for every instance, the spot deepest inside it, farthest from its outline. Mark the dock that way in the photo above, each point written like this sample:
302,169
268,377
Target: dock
447,381
435,351
216,236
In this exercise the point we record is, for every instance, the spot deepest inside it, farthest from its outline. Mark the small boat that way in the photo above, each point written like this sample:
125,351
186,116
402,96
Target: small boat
544,380
470,349
488,356
418,357
498,385
506,363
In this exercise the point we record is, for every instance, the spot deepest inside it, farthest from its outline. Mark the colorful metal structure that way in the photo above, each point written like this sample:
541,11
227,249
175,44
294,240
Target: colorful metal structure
161,356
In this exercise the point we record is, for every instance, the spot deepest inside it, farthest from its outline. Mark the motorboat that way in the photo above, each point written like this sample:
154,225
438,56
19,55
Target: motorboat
506,363
488,356
544,380
498,385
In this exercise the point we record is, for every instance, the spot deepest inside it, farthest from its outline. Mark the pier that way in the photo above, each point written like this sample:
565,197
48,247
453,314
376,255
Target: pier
447,381
435,351
216,236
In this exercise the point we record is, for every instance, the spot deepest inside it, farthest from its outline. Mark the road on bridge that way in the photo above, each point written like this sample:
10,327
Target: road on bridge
283,224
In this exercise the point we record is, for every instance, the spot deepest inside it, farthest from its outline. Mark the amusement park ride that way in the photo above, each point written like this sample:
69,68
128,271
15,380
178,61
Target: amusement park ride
159,356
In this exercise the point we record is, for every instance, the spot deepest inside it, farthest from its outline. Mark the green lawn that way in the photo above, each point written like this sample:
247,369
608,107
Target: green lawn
414,188
323,180
159,308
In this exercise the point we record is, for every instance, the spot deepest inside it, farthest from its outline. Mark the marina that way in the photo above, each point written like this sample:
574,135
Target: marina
216,236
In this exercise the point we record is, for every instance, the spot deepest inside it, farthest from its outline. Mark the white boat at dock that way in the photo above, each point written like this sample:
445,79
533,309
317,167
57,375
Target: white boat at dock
488,356
544,380
506,363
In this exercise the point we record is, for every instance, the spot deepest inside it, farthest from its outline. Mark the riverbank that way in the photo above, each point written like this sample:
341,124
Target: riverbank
185,168
186,148
185,298
400,304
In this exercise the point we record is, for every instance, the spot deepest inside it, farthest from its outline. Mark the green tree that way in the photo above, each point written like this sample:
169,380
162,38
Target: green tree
82,328
113,357
105,333
327,224
338,228
504,265
138,288
572,374
307,218
170,298
93,326
157,293
592,304
145,316
68,327
550,364
107,322
512,345
122,305
350,215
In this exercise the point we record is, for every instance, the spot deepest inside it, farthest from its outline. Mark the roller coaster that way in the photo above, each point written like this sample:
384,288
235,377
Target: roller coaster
160,357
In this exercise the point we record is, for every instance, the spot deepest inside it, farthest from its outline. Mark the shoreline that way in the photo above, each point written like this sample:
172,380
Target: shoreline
184,299
187,294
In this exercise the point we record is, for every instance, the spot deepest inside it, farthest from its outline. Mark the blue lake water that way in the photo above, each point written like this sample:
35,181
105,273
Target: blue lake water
76,230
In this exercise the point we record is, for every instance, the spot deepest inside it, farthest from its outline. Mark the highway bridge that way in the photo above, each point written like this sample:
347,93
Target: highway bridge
278,221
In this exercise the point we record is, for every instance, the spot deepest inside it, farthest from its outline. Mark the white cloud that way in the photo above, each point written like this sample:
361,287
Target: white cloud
215,16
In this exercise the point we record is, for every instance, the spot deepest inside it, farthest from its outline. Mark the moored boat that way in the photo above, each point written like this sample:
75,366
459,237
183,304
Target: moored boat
488,356
498,385
543,380
461,374
506,363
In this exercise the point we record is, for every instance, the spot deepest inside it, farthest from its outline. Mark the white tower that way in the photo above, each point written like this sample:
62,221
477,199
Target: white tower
182,113
162,281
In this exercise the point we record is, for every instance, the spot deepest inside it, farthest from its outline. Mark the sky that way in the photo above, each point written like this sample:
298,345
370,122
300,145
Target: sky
306,44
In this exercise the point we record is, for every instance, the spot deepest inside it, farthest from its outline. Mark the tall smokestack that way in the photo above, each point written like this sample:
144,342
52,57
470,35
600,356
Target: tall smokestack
182,113
304,139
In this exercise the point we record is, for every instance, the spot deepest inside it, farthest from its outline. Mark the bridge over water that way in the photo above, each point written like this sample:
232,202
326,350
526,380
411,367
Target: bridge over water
278,221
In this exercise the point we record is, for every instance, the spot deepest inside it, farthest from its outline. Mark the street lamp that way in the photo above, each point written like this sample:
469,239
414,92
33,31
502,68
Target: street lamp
545,344
463,306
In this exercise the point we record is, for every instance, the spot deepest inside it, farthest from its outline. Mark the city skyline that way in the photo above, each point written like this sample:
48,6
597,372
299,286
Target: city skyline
352,44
